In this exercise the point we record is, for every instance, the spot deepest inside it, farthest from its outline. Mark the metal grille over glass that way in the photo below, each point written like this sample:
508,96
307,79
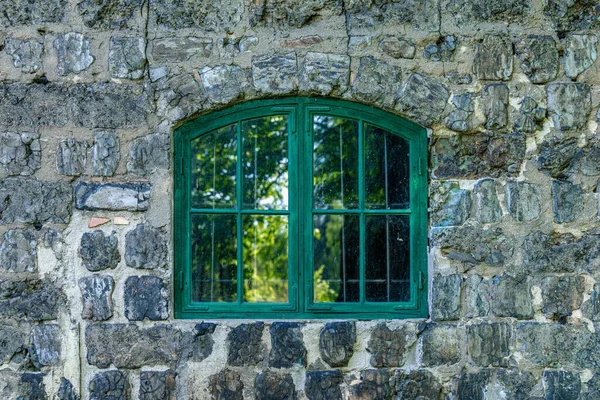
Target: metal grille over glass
300,207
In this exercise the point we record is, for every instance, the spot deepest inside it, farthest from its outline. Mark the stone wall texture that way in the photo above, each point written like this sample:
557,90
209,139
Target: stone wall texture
91,92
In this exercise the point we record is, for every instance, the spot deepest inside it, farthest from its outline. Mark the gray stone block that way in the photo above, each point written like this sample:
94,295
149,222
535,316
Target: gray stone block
477,296
20,154
202,342
323,385
33,105
98,251
26,54
45,345
73,52
591,308
146,297
32,300
220,16
109,385
105,153
495,105
66,391
224,83
127,57
562,385
580,53
562,295
145,247
387,347
180,49
275,74
376,82
449,205
441,50
374,385
445,300
570,105
490,344
511,297
486,207
270,385
245,344
558,157
109,14
416,384
422,98
71,157
132,196
539,58
226,384
149,153
324,73
96,292
336,343
523,200
36,12
567,201
397,48
493,58
287,345
18,252
158,385
129,346
441,345
15,338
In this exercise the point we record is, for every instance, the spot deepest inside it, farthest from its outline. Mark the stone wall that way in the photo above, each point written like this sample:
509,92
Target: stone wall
91,91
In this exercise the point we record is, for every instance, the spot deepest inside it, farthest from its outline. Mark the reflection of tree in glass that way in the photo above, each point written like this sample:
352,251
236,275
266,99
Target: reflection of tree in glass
265,163
214,158
335,162
265,241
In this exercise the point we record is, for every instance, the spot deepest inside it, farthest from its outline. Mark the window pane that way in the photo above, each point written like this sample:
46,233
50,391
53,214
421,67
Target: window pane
335,163
214,258
336,258
265,254
265,161
214,158
387,258
386,170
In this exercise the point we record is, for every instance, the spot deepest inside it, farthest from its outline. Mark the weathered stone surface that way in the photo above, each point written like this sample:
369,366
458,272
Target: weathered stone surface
580,53
323,385
179,49
224,83
511,297
202,342
288,14
531,116
387,347
567,201
545,344
458,119
479,155
422,98
336,343
539,58
588,161
523,200
573,15
442,50
477,296
486,207
32,387
34,300
377,82
557,156
474,12
495,104
561,295
20,154
490,343
33,105
471,385
493,58
26,12
127,57
397,48
324,73
66,391
26,54
562,385
149,153
145,247
450,205
105,153
18,252
96,292
441,345
109,14
418,384
109,385
287,345
109,105
245,344
270,385
446,298
98,251
146,297
570,105
221,16
364,16
129,346
374,385
131,196
275,74
592,388
45,345
73,52
14,338
71,157
157,385
591,308
227,384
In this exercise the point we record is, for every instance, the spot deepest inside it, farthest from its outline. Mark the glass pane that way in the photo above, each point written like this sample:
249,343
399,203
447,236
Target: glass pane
214,159
336,258
335,162
214,258
386,170
265,255
387,258
265,163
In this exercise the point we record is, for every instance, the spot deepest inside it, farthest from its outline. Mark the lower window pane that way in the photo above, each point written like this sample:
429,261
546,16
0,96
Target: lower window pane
214,258
336,257
387,258
265,254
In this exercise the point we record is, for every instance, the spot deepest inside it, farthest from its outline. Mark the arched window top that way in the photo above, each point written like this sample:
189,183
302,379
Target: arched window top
300,207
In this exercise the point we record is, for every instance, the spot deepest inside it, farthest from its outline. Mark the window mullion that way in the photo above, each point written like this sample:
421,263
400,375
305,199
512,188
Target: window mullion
361,207
239,199
304,206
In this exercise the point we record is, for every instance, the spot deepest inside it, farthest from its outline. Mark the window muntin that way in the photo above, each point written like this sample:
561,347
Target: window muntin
326,215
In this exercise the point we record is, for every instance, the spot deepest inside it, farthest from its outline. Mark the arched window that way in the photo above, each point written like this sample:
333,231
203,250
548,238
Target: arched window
300,208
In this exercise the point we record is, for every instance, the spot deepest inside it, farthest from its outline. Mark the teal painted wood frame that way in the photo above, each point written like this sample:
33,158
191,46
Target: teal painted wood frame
300,111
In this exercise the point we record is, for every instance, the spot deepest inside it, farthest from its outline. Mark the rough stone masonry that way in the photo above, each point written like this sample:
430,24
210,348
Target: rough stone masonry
91,92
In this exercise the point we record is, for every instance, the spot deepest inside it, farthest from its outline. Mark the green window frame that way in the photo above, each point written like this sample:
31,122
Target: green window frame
302,116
